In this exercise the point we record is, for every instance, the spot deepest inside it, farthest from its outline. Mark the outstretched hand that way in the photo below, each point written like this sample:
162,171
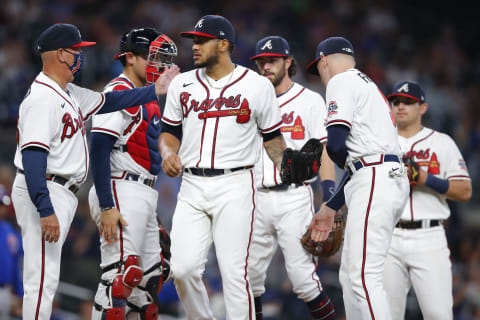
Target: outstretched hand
163,81
322,223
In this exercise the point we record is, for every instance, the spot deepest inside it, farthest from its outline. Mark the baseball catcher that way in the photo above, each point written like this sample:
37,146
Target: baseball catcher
332,244
300,165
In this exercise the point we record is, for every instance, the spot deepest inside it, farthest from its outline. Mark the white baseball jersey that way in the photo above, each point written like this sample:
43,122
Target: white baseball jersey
437,154
233,108
121,125
303,117
364,111
53,120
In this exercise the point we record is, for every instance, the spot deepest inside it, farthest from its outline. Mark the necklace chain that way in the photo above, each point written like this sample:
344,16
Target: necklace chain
221,87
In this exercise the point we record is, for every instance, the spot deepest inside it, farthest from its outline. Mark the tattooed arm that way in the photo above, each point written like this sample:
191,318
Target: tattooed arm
275,148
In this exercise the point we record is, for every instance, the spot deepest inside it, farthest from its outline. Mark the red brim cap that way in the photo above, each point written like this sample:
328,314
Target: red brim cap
393,95
312,67
268,55
191,34
84,44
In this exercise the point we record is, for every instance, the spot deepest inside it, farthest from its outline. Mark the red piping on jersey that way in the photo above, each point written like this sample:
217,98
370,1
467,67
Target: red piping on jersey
365,244
411,188
114,188
312,210
96,108
165,119
248,249
344,122
272,128
42,277
37,143
45,84
458,176
204,120
106,130
216,122
303,89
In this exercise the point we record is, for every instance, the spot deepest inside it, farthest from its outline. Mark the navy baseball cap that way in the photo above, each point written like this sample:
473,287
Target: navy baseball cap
61,35
329,46
272,46
212,26
137,41
408,89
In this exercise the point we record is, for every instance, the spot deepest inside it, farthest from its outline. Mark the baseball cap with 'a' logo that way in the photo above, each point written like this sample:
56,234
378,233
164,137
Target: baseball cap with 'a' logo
408,89
330,46
271,46
212,26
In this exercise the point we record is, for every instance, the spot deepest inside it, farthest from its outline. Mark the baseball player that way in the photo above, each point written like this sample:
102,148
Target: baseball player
284,211
215,111
52,157
125,163
419,255
362,137
11,287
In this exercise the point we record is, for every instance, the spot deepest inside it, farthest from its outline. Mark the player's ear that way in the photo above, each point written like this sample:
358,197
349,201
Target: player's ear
288,63
223,45
423,108
59,54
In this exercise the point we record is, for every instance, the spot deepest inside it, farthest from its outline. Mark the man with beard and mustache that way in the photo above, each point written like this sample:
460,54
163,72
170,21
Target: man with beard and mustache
284,211
210,134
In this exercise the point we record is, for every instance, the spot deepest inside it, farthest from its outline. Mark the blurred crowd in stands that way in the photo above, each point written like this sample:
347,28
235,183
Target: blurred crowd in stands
394,40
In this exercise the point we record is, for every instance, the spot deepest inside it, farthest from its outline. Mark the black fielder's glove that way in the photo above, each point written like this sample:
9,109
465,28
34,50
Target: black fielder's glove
413,172
300,165
164,241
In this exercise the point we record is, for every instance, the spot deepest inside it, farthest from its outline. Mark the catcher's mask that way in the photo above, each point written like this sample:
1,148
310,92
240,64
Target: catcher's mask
160,55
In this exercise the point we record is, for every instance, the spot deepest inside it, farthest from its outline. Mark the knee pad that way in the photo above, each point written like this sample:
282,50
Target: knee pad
123,284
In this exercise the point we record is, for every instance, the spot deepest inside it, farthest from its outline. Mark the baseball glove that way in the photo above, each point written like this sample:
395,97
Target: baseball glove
300,165
413,169
164,241
333,243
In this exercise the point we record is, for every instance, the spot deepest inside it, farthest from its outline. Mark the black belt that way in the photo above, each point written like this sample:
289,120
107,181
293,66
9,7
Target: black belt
419,224
58,179
136,177
283,187
385,158
213,172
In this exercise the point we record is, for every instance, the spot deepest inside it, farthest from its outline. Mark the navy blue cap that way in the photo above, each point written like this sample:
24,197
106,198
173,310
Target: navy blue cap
4,196
329,46
212,26
137,41
61,35
272,46
408,89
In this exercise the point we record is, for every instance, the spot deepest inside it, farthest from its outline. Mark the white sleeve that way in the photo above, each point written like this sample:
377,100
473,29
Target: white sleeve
89,101
172,113
318,116
39,124
268,117
340,103
109,123
455,166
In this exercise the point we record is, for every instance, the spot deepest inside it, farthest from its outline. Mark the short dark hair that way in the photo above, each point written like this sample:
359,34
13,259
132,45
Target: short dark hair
292,70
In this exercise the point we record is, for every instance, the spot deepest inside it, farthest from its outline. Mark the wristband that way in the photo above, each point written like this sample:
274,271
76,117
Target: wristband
102,209
328,188
437,184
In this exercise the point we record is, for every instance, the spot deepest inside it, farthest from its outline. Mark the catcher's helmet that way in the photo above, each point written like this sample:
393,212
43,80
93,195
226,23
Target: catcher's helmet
160,55
137,41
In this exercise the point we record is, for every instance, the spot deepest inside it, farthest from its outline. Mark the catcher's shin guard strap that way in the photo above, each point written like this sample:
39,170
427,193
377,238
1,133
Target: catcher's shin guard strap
111,313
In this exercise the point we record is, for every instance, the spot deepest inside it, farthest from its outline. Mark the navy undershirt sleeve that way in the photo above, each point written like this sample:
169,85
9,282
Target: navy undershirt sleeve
124,99
328,189
271,135
338,198
101,146
336,144
34,162
175,130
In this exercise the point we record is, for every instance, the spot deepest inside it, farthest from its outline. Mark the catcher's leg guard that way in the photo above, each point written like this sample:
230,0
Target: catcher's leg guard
115,313
123,284
146,312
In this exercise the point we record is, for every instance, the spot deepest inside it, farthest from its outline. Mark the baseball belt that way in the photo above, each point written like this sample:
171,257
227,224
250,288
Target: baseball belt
136,177
58,179
361,163
284,187
213,172
419,224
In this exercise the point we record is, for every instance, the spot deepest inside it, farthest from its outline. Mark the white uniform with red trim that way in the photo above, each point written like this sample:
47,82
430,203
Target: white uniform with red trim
420,257
284,212
375,195
220,125
53,120
136,200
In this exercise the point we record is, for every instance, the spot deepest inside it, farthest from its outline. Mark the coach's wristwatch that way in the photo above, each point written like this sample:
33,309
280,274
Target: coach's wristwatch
102,209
